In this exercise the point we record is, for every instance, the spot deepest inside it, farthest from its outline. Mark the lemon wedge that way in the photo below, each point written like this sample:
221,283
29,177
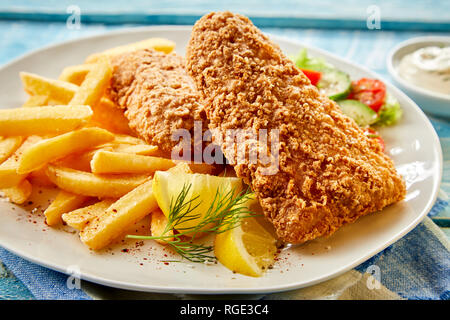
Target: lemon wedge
251,247
200,193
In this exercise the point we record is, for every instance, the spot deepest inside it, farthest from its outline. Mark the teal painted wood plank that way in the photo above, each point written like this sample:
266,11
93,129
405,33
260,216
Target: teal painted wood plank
426,10
352,14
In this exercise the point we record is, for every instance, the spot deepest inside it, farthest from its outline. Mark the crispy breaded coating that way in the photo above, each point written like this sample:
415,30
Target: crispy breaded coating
329,172
158,95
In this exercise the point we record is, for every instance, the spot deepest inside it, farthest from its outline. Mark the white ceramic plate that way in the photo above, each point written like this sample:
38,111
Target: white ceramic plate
413,144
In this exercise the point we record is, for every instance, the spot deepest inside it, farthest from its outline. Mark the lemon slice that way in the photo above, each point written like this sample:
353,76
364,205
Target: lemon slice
251,247
201,193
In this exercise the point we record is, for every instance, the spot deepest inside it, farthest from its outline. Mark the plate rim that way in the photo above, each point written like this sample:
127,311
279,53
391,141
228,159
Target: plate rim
267,289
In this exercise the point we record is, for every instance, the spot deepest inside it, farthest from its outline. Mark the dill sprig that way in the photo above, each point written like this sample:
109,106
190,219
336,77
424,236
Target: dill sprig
226,212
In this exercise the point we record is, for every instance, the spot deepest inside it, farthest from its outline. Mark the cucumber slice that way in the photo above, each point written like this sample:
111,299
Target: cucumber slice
335,84
358,111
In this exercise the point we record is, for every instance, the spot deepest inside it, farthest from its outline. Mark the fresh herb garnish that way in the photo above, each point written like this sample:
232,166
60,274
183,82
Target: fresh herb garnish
225,213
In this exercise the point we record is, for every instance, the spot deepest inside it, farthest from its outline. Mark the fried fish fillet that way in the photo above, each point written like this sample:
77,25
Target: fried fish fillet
157,94
329,172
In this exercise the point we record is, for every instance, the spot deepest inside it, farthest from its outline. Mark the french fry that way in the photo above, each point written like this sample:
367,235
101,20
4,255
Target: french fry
109,116
8,169
117,162
37,101
43,120
20,193
75,74
159,226
64,202
8,146
141,149
157,44
36,85
91,90
39,178
82,161
89,184
80,218
122,214
140,228
203,168
46,91
78,161
127,139
181,167
60,146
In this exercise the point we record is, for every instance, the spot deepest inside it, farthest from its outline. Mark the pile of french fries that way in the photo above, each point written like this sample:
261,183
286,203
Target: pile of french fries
68,134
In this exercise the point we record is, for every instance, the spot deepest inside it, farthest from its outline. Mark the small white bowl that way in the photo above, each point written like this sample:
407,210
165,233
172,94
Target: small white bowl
434,103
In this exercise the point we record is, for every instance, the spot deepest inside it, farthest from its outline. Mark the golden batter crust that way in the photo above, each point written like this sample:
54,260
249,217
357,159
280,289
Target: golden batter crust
330,173
157,94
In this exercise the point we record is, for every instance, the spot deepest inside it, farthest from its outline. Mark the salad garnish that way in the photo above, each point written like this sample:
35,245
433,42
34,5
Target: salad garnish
365,100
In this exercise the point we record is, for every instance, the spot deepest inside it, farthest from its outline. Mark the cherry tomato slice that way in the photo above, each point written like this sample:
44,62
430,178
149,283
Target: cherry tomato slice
366,84
313,76
371,92
373,99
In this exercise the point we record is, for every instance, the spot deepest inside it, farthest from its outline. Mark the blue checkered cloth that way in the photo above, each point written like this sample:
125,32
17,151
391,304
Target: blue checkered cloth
415,267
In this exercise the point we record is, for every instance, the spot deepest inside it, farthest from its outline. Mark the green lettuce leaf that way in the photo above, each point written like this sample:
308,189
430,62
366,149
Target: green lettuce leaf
302,61
390,112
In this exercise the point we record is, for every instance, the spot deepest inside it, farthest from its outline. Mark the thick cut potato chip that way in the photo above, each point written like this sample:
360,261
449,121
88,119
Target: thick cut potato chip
39,101
75,74
78,161
43,120
91,90
109,116
57,90
20,193
159,226
127,139
141,149
82,161
8,146
80,218
48,150
158,44
8,169
89,184
40,178
64,202
123,213
140,228
203,168
49,92
118,162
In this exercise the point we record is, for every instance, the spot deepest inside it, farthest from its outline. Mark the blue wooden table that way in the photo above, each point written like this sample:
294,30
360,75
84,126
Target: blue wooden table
343,28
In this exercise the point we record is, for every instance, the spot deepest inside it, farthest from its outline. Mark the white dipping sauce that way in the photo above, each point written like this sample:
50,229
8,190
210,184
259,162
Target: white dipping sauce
428,68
